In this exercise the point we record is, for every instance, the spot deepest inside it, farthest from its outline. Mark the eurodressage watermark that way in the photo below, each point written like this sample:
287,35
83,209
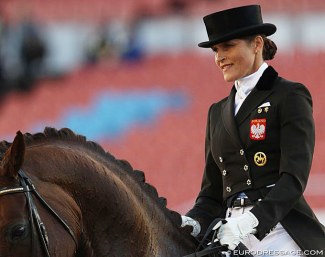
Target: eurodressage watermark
279,252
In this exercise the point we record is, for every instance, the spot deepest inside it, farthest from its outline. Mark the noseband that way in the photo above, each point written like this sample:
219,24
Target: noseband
37,226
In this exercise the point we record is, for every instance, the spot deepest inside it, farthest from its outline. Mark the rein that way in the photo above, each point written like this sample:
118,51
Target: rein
37,226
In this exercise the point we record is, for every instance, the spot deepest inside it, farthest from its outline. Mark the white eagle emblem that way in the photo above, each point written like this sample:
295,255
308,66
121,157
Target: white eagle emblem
258,130
258,127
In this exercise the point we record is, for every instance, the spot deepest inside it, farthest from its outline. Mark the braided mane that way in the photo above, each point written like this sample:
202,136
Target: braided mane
66,134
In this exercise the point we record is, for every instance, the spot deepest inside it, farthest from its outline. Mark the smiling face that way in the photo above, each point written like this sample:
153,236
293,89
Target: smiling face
238,58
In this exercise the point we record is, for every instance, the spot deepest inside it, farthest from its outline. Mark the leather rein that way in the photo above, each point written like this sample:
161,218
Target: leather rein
37,226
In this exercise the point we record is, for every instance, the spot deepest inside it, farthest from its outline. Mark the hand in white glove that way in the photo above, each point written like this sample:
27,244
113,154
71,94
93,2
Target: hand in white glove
188,221
236,229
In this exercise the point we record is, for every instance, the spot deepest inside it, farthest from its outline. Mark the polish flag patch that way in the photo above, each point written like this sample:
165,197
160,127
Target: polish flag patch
258,129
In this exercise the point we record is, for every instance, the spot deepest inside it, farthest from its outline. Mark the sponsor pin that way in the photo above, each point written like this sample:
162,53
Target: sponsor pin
260,159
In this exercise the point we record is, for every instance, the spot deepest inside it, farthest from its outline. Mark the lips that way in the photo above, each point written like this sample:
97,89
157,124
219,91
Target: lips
225,67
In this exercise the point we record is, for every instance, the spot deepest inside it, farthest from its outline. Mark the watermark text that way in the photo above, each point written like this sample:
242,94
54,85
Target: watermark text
279,252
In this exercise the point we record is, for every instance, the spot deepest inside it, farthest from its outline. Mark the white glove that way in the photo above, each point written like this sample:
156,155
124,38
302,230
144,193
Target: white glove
188,221
236,229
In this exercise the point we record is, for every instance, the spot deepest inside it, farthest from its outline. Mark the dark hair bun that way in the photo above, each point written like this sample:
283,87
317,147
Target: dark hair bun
269,49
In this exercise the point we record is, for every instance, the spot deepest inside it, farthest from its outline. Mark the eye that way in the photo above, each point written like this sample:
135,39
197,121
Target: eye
17,233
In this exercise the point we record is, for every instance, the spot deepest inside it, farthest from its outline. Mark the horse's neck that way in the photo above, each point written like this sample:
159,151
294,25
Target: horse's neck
135,224
118,216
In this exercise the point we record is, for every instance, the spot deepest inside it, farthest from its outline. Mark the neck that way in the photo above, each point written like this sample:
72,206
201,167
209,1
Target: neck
118,215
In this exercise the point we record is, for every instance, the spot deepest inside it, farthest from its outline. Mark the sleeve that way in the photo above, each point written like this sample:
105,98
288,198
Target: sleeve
209,203
297,139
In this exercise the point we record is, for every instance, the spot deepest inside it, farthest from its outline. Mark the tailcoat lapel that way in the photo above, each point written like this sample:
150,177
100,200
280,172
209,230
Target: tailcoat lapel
251,102
228,118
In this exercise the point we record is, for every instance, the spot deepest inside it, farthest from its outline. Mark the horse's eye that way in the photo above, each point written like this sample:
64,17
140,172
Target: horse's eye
17,233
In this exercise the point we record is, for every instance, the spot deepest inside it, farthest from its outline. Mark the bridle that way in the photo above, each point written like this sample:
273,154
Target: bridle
36,224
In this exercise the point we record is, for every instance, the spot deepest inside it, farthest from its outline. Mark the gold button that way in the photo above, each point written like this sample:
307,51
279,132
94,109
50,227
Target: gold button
249,182
245,167
224,172
241,152
228,189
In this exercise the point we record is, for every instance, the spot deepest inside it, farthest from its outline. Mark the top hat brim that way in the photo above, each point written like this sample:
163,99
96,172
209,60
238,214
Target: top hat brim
266,28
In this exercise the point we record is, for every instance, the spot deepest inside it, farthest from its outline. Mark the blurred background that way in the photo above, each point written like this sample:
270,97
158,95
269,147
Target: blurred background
129,75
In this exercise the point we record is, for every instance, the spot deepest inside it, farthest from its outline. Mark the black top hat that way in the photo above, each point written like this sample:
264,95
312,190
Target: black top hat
235,23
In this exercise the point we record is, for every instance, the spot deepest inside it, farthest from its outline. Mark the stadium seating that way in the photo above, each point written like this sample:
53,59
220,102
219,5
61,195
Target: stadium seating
170,150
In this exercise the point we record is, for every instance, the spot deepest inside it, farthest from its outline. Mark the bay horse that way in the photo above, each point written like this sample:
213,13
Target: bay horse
64,196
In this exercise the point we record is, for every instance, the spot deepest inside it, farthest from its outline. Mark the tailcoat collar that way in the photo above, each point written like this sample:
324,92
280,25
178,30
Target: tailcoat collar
266,80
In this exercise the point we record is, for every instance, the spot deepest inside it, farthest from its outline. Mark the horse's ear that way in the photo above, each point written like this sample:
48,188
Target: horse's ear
14,157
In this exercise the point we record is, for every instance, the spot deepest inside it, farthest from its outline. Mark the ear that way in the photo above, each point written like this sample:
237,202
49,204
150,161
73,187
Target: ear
14,157
259,42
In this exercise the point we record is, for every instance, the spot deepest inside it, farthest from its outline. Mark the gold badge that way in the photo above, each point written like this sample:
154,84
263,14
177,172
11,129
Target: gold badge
259,110
266,109
260,159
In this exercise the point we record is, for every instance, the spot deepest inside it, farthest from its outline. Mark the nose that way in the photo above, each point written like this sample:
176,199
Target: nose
220,58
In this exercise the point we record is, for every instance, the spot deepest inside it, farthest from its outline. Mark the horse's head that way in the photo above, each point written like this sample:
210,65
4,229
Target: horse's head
14,223
23,209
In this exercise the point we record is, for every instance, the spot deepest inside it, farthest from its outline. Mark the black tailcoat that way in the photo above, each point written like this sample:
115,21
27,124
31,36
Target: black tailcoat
269,141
